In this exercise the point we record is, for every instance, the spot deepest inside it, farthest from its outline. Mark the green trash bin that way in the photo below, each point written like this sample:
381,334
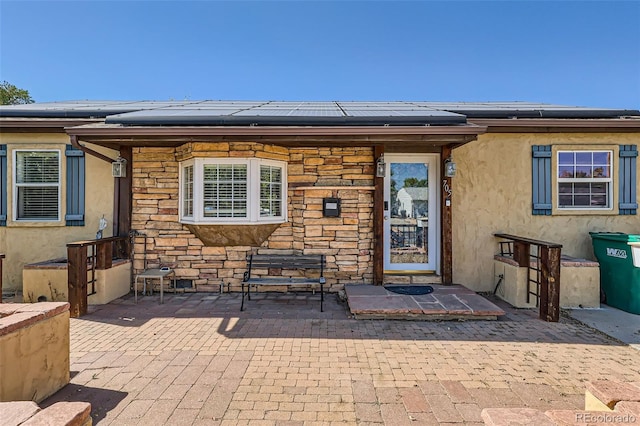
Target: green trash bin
619,278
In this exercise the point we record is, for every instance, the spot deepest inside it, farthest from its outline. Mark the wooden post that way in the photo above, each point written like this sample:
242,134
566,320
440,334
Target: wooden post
104,255
123,192
521,253
447,225
378,221
77,280
550,284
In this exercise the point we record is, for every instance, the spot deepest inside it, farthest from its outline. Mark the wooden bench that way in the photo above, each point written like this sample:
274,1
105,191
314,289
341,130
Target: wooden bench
274,264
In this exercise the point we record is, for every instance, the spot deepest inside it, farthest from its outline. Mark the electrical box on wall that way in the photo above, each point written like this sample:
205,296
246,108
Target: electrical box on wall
331,207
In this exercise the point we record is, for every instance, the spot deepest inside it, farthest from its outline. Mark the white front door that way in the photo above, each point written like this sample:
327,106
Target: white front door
411,213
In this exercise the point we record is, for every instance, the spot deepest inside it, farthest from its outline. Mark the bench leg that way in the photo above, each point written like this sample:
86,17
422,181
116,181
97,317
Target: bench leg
242,304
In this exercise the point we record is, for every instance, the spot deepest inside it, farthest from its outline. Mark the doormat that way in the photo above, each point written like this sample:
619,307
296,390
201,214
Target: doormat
412,290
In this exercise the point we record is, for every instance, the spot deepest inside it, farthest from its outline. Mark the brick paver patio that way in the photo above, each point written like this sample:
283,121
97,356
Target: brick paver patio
198,360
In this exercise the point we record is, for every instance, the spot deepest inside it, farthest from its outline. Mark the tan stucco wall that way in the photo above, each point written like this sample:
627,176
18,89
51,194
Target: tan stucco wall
513,287
52,283
579,285
34,359
30,242
492,193
111,284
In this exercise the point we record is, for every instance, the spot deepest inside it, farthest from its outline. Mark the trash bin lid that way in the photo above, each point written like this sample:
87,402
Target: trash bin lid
616,236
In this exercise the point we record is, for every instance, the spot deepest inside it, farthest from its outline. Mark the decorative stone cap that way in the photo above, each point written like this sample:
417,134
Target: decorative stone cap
565,260
515,416
584,417
16,412
14,316
610,392
630,407
60,263
63,414
27,413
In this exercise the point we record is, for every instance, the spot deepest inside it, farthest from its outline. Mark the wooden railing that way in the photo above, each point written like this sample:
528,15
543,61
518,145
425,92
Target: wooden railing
542,259
1,257
84,258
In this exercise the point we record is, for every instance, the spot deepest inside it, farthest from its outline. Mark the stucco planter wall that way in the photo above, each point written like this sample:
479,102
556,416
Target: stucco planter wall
48,281
579,283
34,350
111,283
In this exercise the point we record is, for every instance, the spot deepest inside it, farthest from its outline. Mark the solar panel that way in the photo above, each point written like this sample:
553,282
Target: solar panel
221,112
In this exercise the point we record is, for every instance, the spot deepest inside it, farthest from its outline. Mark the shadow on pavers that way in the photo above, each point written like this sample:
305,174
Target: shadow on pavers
102,400
298,315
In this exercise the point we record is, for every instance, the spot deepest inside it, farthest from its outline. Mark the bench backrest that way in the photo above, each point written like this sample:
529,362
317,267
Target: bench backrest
286,261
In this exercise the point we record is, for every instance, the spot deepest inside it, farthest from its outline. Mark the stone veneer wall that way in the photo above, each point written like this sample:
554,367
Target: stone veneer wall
313,173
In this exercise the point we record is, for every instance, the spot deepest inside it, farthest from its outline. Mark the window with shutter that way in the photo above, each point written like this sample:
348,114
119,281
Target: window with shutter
37,185
584,180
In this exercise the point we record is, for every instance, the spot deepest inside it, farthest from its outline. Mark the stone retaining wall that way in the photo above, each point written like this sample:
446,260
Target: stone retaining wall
313,173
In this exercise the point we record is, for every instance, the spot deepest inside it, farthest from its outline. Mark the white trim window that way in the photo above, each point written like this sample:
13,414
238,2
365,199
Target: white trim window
585,180
36,192
230,190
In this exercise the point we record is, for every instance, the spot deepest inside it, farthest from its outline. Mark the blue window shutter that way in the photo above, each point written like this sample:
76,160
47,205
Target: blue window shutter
541,178
3,185
75,186
628,202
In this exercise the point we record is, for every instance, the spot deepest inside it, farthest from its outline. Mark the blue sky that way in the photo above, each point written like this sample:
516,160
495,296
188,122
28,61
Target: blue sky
564,52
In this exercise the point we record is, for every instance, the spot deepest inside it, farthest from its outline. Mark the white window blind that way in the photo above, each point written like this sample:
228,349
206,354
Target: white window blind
225,190
584,179
187,190
270,191
37,181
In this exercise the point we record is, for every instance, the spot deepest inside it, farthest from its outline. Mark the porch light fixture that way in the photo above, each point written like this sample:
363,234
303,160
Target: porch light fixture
380,166
449,167
119,168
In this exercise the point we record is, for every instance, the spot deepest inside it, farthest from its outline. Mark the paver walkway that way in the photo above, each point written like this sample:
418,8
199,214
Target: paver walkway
198,360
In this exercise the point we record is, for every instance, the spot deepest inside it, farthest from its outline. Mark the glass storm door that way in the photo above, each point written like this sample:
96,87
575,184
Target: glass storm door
410,213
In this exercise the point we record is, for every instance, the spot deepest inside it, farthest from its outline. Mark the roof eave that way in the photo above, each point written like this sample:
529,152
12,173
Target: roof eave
41,125
93,130
557,125
115,135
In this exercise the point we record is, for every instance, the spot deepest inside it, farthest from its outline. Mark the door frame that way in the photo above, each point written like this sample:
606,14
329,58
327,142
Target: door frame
434,232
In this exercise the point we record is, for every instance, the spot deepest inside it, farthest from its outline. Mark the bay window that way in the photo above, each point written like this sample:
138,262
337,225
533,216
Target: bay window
226,190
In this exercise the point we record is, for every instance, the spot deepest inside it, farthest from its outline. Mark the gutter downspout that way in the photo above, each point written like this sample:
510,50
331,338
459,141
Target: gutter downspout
76,144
